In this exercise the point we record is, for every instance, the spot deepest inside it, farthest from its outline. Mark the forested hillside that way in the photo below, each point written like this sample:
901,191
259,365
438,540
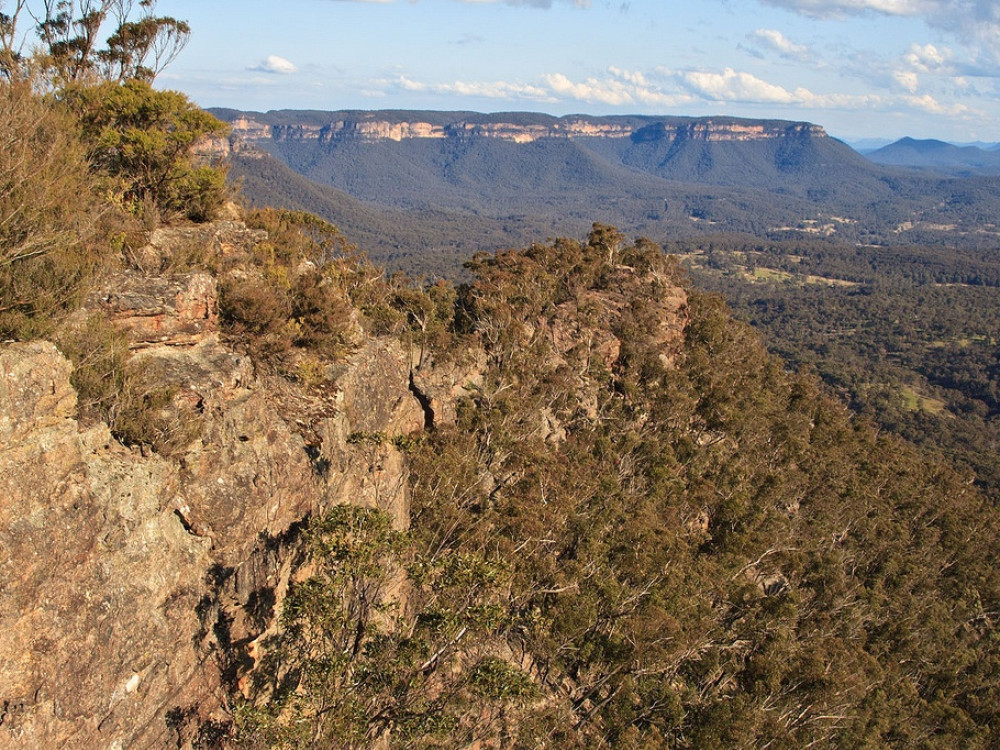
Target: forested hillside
661,178
909,336
937,156
627,537
884,283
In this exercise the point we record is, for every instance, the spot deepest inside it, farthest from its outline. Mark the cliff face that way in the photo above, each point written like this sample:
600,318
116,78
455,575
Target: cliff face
383,126
131,581
102,584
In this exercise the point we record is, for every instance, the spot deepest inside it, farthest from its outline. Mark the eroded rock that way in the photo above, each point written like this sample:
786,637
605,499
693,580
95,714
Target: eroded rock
101,583
175,309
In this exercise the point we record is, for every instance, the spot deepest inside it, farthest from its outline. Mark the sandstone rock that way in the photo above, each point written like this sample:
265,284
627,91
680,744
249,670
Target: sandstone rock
176,309
439,384
246,473
34,391
168,247
375,391
129,582
589,332
98,606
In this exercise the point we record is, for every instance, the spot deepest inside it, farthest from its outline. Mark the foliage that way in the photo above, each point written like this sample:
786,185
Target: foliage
50,218
307,288
143,139
100,144
140,46
723,558
907,336
291,291
347,669
114,388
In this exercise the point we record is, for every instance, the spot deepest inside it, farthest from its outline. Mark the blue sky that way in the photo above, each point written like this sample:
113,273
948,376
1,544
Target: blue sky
860,68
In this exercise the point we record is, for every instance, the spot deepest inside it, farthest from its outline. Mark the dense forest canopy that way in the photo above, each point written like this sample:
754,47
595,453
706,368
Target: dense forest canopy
701,550
907,335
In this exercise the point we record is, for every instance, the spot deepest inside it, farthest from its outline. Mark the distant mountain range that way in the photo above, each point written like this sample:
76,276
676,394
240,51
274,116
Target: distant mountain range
941,157
453,182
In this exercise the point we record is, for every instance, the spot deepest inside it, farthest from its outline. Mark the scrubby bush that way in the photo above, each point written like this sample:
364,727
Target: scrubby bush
119,390
50,217
256,310
143,140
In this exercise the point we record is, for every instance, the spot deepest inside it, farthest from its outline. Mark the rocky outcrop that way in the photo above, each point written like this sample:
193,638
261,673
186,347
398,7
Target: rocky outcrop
99,622
132,581
440,382
167,248
175,309
646,311
136,585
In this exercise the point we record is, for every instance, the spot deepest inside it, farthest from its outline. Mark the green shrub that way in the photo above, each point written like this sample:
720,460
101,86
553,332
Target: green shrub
143,139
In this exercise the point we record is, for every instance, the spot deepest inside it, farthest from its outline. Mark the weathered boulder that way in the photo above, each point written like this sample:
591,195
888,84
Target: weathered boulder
439,383
633,310
245,474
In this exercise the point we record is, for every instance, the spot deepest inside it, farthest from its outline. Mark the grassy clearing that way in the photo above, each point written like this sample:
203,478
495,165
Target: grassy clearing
913,401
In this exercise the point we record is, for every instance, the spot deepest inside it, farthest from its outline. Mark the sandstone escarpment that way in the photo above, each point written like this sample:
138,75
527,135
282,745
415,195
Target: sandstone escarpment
390,126
99,606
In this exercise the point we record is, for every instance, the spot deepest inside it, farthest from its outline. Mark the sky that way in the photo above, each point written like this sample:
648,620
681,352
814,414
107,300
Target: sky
860,68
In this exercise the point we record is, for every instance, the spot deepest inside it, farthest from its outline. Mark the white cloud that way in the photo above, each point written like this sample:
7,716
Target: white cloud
632,76
926,66
275,64
623,88
907,79
486,90
929,104
927,58
841,8
733,86
408,84
775,41
529,3
612,92
662,90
